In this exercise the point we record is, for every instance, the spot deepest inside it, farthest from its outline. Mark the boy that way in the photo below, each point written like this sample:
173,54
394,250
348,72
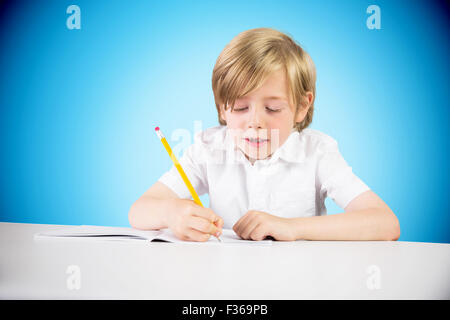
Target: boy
280,171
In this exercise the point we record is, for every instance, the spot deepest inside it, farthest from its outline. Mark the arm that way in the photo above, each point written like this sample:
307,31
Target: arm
149,212
366,217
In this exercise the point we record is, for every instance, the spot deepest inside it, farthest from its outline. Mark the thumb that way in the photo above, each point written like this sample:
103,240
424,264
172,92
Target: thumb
219,222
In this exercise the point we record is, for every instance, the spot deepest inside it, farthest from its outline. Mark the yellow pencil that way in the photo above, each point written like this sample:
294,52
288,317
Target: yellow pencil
179,168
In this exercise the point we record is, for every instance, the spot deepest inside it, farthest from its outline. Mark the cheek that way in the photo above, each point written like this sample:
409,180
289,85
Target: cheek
283,136
281,129
235,121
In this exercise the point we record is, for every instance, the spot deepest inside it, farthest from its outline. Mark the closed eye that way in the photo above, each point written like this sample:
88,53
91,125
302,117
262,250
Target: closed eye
272,109
269,109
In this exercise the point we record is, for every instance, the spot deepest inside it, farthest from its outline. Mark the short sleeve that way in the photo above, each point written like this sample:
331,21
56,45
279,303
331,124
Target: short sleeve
336,177
194,167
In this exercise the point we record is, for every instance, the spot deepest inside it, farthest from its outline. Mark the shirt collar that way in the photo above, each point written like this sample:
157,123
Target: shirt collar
292,150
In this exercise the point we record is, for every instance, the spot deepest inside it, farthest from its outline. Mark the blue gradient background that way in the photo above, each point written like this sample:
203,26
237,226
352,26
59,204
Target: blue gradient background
78,107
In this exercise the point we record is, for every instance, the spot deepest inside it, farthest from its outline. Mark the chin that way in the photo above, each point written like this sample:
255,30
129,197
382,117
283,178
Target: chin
256,156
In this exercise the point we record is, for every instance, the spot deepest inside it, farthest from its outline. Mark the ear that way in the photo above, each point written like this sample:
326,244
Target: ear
222,113
303,110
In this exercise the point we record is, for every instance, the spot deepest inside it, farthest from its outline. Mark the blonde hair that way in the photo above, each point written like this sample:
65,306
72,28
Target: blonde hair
250,57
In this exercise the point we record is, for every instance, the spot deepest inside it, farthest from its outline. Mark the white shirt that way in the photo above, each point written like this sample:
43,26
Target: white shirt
293,182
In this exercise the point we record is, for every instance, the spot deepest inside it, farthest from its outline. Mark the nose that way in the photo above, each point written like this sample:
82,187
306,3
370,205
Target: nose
256,119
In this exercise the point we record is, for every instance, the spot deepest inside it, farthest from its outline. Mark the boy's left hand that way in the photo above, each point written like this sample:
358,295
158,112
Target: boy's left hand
257,225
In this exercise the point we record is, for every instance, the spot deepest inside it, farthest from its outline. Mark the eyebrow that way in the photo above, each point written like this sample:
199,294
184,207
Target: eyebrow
266,98
275,98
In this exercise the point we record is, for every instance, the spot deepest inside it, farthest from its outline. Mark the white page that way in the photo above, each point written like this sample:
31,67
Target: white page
228,236
130,234
100,233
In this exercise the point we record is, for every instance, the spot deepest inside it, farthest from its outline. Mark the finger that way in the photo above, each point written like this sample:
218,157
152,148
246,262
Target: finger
219,224
238,225
202,225
205,213
242,224
249,229
195,235
258,233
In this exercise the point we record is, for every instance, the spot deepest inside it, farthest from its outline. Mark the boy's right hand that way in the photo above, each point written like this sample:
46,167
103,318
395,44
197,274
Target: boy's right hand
191,222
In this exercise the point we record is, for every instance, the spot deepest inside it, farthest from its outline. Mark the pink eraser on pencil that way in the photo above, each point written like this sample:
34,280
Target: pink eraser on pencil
157,129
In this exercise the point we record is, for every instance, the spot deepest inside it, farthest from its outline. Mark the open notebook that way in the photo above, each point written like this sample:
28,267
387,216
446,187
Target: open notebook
130,234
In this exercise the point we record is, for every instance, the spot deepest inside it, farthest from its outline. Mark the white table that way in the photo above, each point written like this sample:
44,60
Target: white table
82,269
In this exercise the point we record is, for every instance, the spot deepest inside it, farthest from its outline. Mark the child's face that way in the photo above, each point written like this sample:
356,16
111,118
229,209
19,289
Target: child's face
265,113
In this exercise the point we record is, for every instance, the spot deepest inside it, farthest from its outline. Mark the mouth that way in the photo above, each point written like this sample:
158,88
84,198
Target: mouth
256,142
